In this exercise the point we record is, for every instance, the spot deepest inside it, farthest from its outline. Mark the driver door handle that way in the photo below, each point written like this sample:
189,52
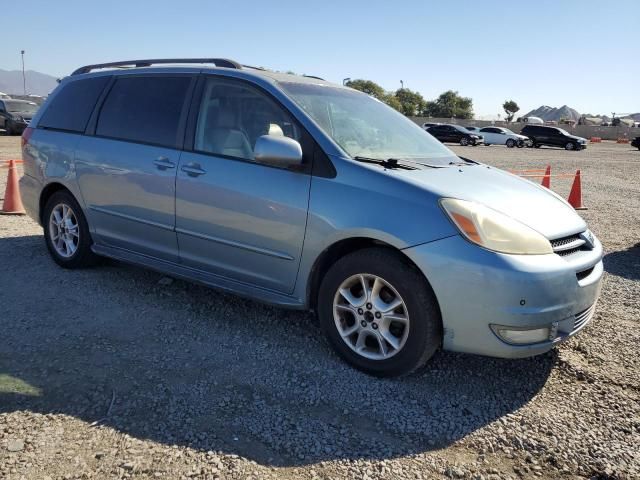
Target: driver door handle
163,163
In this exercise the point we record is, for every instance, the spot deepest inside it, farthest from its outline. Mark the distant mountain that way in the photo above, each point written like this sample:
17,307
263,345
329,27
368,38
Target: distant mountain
37,83
551,114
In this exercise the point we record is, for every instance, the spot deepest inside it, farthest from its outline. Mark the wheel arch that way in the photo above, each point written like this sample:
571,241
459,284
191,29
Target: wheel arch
46,194
336,251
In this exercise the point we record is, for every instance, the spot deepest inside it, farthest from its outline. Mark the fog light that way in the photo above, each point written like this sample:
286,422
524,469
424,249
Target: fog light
520,336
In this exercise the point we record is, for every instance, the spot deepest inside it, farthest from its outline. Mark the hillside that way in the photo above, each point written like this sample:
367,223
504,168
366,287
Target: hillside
37,83
549,114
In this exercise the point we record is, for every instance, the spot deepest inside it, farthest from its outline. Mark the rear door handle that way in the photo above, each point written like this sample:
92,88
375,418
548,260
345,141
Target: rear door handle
163,163
193,169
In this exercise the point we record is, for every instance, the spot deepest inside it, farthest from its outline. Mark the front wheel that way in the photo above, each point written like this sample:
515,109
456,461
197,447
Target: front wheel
379,313
569,146
464,141
511,143
520,143
66,232
8,129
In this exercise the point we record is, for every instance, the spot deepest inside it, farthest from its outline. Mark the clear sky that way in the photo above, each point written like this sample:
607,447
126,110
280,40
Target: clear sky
583,53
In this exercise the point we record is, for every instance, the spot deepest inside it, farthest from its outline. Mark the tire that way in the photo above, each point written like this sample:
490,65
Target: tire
570,146
511,143
8,129
520,144
536,145
417,325
81,256
464,141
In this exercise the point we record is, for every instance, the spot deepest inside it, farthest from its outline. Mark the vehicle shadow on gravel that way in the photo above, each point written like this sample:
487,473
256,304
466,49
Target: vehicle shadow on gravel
624,263
182,364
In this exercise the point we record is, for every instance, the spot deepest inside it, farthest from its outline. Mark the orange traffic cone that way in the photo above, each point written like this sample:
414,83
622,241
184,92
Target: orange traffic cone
575,196
546,180
12,202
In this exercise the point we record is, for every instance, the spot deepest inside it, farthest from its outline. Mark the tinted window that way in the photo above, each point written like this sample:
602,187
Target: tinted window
71,108
233,115
144,109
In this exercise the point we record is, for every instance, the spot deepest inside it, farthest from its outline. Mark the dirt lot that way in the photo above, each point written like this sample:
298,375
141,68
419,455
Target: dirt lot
115,372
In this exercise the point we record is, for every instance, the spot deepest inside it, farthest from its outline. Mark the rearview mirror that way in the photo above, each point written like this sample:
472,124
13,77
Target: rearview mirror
278,151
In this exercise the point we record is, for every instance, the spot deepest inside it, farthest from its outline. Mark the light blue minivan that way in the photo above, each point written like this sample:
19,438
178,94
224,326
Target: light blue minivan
305,194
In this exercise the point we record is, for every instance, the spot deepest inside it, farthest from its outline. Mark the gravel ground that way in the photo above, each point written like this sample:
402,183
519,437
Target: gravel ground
117,372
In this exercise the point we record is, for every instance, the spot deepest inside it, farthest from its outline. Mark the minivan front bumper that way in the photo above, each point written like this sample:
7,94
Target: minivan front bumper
482,293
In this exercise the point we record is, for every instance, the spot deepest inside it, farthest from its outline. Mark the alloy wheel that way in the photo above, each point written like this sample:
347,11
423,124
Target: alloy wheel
371,316
64,230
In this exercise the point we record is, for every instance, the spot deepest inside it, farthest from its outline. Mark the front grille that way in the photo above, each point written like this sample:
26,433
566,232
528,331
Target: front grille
583,317
568,245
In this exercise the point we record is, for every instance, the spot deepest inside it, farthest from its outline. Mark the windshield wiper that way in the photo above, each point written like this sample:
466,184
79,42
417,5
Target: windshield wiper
389,163
465,160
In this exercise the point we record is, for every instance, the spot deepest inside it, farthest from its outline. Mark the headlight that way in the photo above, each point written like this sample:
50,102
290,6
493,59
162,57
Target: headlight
494,230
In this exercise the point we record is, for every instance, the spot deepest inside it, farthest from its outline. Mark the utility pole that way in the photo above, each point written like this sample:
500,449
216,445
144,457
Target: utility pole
401,84
24,80
345,80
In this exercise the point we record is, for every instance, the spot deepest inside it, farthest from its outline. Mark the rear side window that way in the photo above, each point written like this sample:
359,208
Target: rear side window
71,108
144,109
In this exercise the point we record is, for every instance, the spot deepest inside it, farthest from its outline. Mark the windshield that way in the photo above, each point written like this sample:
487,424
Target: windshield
23,107
508,132
562,130
364,126
461,129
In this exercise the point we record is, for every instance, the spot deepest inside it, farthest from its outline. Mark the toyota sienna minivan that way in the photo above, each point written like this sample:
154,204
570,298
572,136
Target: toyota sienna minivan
301,193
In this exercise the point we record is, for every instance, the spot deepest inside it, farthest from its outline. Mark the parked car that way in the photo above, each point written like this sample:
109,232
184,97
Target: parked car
553,136
455,134
502,136
636,143
15,115
305,194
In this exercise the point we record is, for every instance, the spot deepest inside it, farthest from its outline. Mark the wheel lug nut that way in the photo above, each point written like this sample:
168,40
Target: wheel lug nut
369,306
363,323
360,311
378,315
374,325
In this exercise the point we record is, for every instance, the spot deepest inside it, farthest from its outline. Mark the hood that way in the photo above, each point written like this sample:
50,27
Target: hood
529,203
27,115
575,137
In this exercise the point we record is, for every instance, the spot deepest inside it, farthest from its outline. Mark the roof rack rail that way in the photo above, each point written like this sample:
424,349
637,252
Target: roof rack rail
218,62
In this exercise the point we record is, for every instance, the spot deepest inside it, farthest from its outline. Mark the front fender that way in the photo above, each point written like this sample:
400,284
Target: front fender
372,203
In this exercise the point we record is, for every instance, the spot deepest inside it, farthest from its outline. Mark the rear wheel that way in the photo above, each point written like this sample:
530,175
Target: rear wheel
379,313
511,143
66,232
464,141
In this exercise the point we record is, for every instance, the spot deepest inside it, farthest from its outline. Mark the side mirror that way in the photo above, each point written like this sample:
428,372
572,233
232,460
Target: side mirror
278,151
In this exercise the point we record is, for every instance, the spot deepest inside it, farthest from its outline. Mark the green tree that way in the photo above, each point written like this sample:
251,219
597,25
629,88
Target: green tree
376,91
510,108
368,87
391,100
411,103
449,105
